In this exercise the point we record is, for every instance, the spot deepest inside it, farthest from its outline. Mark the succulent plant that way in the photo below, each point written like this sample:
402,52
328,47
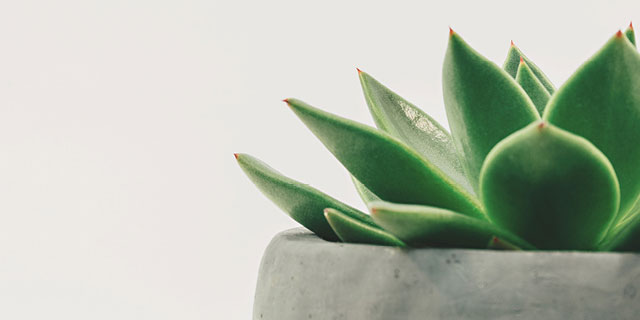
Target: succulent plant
525,166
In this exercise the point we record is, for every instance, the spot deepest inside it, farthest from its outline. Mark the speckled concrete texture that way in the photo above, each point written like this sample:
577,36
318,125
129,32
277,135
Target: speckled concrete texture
304,277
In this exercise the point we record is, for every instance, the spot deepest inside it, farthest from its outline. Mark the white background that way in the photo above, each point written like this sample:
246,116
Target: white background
119,194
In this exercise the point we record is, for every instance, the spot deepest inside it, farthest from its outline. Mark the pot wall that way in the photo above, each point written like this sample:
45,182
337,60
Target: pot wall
304,277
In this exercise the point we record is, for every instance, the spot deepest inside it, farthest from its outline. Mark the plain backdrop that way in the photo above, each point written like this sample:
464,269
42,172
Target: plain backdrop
119,194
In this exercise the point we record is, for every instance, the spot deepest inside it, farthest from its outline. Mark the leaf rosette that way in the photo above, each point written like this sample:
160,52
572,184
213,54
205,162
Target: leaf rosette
525,165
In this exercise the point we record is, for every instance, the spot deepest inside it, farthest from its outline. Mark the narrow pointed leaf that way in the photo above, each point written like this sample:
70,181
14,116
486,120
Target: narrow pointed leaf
365,194
621,234
420,226
403,120
388,168
354,231
630,34
635,210
551,187
626,237
513,61
532,86
483,103
600,102
303,203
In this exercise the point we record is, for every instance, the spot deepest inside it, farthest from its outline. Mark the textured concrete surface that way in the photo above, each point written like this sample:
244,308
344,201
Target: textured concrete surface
303,277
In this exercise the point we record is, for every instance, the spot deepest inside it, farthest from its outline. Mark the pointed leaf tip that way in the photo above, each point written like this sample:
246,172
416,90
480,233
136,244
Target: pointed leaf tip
451,32
631,25
521,59
359,71
235,155
512,44
619,34
286,100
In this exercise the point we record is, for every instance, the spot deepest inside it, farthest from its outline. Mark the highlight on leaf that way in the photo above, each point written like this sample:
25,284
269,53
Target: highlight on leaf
366,152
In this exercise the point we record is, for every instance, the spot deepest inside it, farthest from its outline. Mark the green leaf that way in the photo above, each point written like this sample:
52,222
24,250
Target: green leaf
630,34
601,103
303,203
390,169
403,120
532,86
420,226
622,237
353,231
551,187
625,238
483,103
365,194
499,244
513,61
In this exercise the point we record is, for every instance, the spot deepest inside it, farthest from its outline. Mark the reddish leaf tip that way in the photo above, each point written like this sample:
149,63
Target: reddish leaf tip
373,210
451,32
512,44
542,125
495,239
285,101
359,71
235,155
631,25
619,34
521,60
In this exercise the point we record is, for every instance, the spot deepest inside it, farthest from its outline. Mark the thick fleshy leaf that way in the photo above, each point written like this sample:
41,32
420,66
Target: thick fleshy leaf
303,203
422,226
483,103
513,61
532,86
365,194
354,231
601,102
551,187
630,34
390,169
403,120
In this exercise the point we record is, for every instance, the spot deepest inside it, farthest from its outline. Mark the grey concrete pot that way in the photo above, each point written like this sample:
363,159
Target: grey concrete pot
304,277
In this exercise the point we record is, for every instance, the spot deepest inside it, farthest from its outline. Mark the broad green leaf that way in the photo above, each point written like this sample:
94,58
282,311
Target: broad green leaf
390,169
601,102
483,103
354,231
403,120
365,194
303,203
551,187
420,226
532,86
630,34
513,61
